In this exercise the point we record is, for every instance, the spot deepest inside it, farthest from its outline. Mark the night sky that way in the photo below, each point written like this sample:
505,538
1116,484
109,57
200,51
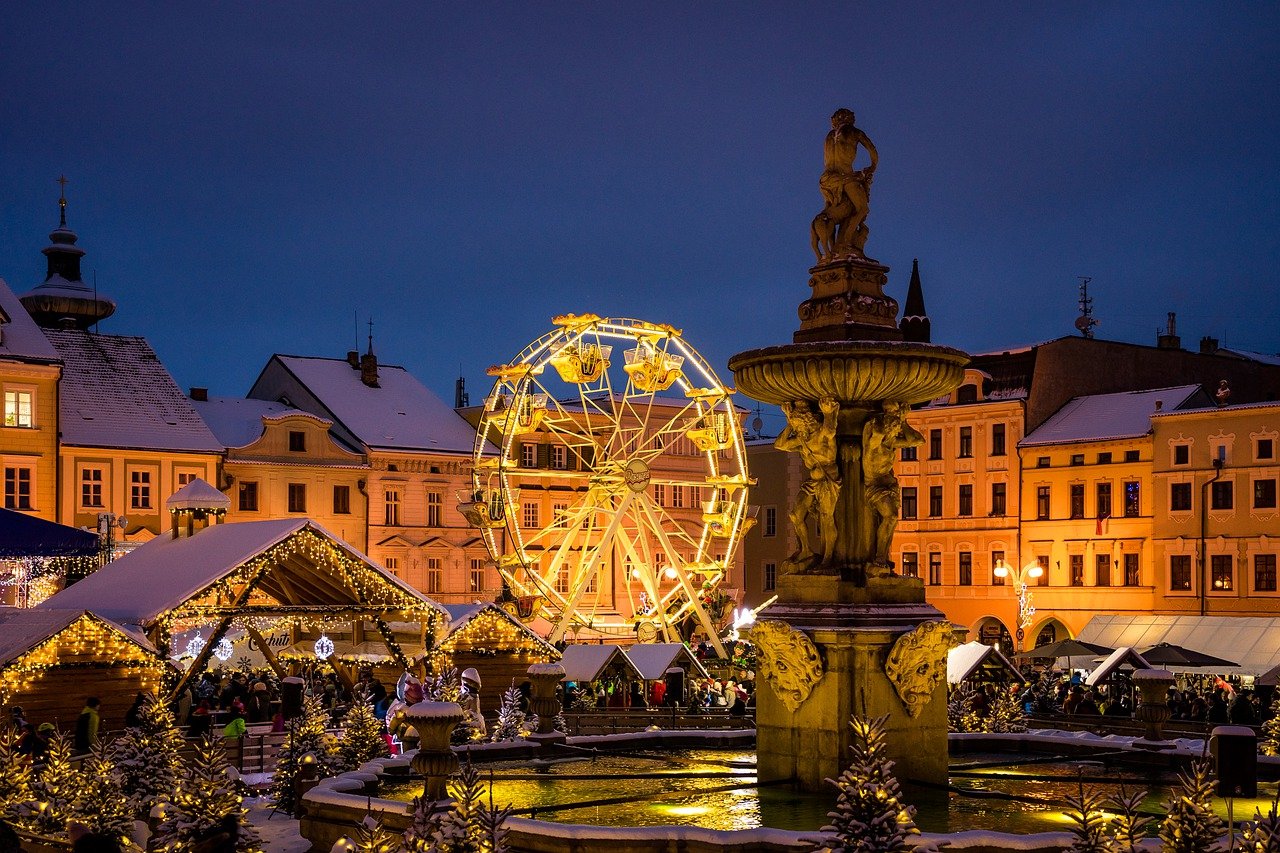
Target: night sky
265,177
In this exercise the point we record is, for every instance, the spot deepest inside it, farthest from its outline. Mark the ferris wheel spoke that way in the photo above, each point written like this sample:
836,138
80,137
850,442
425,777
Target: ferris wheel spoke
590,566
682,578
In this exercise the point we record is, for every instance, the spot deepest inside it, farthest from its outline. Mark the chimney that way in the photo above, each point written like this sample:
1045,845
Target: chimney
1159,405
353,359
1208,346
369,369
200,395
1169,339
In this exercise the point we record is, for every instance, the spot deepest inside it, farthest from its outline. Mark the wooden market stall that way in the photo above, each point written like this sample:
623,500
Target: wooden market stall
51,660
488,639
978,662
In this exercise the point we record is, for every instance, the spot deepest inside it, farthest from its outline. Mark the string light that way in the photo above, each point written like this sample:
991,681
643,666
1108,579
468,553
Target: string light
87,643
324,647
195,645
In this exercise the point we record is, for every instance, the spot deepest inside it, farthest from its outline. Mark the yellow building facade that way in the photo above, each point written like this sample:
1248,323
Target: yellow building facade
29,371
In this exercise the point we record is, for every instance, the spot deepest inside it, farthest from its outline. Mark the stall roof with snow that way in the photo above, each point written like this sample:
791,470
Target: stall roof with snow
585,663
972,658
1253,641
1121,658
491,628
652,660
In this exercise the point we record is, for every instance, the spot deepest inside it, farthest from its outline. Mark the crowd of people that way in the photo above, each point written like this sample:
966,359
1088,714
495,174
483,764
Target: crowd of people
1217,702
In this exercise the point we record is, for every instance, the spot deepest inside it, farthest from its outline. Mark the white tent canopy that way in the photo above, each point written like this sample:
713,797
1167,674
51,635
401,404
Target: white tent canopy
963,661
584,663
654,659
1253,641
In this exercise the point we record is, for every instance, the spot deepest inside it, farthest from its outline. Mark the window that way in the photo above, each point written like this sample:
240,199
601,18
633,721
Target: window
1102,569
1264,572
140,490
966,568
1264,494
1102,497
1077,500
1076,564
19,408
392,564
770,521
1131,456
1221,576
770,576
909,454
435,575
297,441
528,455
935,568
1264,448
1222,495
967,394
1132,574
910,564
17,487
1132,499
966,500
476,576
1180,572
1077,458
341,500
935,501
1043,561
435,509
185,478
677,497
997,557
966,442
562,580
935,444
91,488
391,507
1104,458
559,457
1182,454
528,515
909,508
1042,461
297,497
1180,497
998,502
997,439
248,497
1042,502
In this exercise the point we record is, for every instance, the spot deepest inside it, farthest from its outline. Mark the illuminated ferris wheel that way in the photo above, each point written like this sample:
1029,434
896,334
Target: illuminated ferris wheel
617,493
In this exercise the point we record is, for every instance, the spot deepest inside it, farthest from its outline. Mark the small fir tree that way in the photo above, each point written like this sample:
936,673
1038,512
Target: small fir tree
869,815
370,837
1270,743
960,716
1007,714
100,803
468,825
204,801
444,687
1088,823
54,787
1129,826
147,757
1190,824
511,722
306,737
15,776
362,735
1262,834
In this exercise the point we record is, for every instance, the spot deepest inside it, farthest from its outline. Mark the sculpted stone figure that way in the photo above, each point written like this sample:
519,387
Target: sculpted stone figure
816,444
917,663
883,436
841,229
788,659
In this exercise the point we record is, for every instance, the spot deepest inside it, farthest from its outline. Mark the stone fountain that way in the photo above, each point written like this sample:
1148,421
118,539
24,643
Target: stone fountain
848,635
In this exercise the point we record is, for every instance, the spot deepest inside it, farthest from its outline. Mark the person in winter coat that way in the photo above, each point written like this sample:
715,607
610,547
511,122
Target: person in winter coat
133,716
87,725
236,728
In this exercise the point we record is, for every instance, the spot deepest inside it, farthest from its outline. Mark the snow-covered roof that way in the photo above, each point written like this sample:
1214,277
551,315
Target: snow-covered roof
101,372
1123,656
20,337
963,660
238,421
1254,641
21,630
401,413
198,495
460,615
654,659
1260,357
583,663
161,574
1104,417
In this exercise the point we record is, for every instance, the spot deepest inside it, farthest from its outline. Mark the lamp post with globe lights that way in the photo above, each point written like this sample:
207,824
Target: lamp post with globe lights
1022,589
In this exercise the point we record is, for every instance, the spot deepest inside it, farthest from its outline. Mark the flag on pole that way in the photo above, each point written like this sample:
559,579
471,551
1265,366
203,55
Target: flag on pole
1102,525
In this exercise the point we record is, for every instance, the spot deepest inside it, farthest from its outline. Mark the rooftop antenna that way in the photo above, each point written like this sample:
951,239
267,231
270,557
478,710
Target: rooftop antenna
355,324
1085,322
370,334
62,201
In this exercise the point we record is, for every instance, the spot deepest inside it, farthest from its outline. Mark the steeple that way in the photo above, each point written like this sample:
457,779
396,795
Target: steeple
915,322
369,363
64,301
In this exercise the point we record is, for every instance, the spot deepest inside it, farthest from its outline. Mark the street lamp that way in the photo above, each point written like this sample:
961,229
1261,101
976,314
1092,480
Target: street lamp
107,524
1022,589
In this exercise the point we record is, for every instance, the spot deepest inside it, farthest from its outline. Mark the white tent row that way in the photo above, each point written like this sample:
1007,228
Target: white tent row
1251,641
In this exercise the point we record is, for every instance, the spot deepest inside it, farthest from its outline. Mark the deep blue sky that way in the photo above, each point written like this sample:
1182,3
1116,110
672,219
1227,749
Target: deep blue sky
249,177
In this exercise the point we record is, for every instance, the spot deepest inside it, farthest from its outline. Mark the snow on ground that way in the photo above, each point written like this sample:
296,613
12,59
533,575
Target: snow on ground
279,831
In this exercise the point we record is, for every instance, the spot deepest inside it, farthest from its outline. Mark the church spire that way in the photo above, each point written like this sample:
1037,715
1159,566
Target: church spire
915,322
64,301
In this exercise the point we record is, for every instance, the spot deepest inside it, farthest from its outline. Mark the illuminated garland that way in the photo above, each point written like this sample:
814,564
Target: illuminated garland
85,637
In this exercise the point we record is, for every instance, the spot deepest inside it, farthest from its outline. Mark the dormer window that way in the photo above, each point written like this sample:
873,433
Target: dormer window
297,441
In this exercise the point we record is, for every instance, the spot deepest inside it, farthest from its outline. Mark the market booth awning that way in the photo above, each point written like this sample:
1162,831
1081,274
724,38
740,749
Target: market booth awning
975,658
1252,641
254,575
24,536
654,659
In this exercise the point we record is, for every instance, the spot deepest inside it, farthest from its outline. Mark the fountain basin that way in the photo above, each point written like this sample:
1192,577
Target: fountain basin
849,371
